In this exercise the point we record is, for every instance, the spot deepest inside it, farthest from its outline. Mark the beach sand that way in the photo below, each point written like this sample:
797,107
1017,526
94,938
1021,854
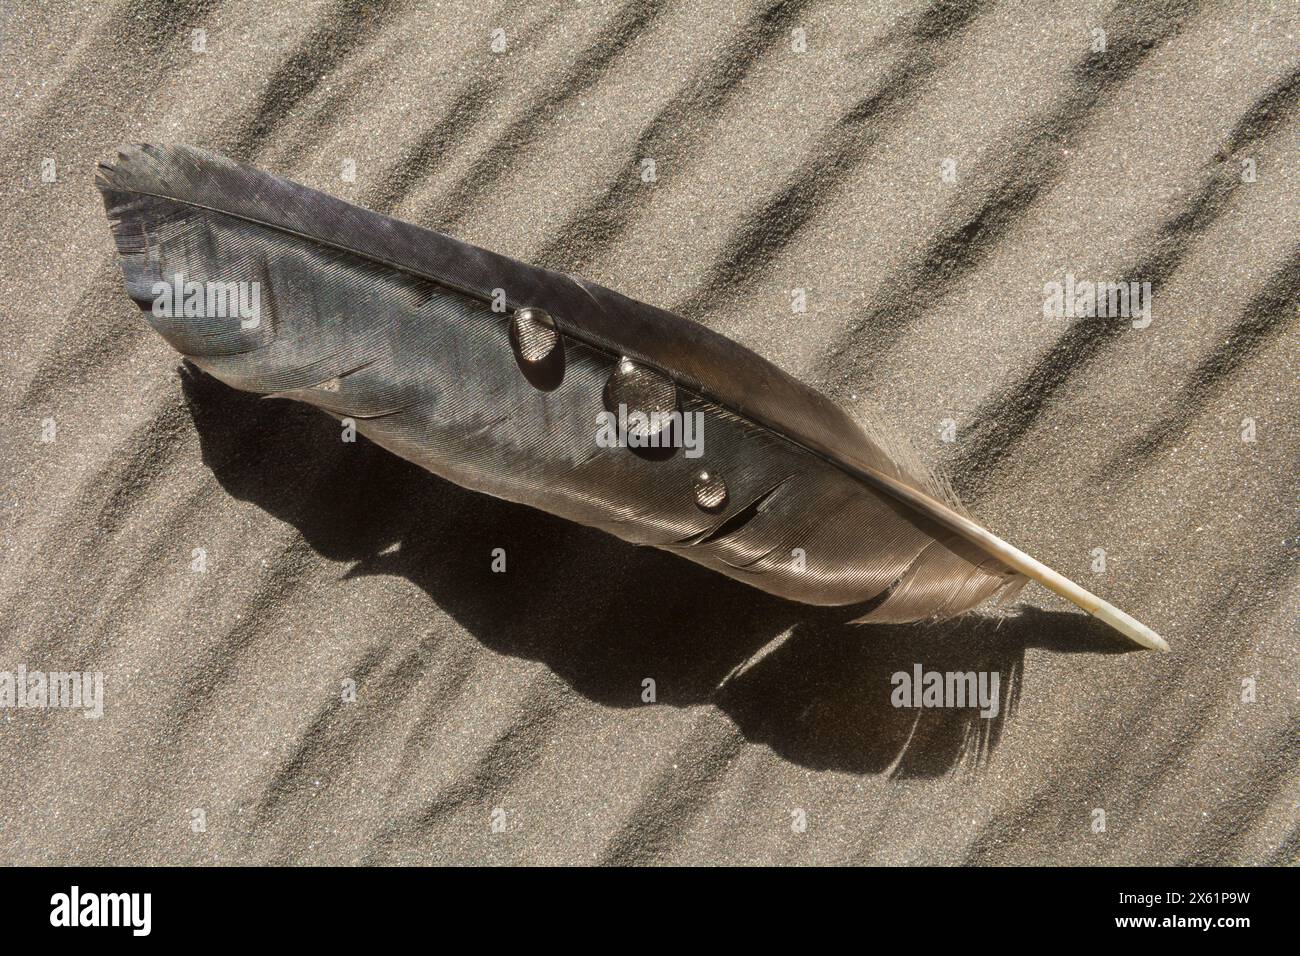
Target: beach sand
232,569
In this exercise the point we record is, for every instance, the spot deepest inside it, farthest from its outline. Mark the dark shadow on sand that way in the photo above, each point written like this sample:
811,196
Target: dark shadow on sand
605,615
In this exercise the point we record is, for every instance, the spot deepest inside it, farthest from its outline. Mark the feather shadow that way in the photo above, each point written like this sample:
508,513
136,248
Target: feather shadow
605,615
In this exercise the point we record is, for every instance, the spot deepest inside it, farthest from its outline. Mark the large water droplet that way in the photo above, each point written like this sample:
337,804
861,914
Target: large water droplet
532,332
710,491
538,347
643,390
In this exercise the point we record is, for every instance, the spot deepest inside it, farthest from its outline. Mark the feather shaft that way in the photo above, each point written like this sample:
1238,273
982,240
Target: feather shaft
1031,567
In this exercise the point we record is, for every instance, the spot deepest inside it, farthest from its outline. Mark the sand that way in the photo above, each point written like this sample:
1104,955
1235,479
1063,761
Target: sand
232,569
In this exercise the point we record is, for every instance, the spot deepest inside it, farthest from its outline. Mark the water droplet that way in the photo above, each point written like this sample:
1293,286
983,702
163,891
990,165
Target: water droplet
640,389
532,333
710,491
538,347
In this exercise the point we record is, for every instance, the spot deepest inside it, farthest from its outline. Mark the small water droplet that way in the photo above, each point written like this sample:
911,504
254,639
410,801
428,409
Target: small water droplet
538,348
532,333
639,388
710,491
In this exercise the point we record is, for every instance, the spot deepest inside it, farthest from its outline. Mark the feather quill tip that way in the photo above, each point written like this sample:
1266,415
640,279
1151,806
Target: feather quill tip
1130,627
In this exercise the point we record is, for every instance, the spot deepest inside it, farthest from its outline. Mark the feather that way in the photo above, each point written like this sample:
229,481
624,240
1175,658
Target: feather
503,378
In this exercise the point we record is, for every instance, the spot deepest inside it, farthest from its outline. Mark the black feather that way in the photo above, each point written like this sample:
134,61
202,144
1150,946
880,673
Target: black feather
394,326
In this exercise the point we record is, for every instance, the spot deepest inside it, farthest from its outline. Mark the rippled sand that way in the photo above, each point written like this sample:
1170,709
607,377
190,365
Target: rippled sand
1169,158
